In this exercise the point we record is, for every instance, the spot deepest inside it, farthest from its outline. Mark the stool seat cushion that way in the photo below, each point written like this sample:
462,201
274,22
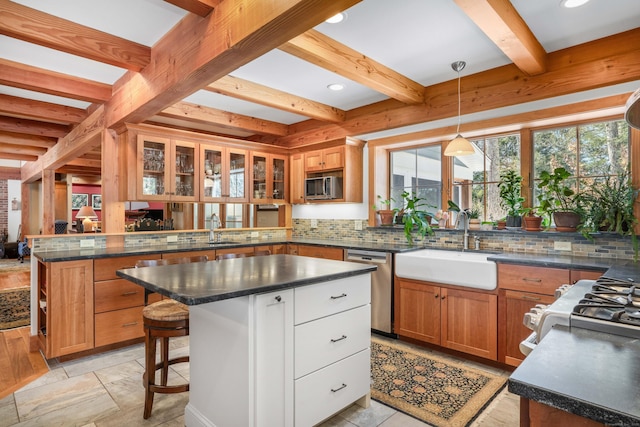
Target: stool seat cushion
166,310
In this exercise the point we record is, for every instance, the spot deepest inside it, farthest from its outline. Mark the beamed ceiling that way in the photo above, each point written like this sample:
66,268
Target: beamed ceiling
258,70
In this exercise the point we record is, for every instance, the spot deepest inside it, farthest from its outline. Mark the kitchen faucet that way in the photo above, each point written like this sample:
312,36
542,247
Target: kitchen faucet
464,214
212,229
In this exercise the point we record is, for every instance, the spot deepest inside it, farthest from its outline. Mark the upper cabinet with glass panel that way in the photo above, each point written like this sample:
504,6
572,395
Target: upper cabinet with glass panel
167,169
224,178
268,178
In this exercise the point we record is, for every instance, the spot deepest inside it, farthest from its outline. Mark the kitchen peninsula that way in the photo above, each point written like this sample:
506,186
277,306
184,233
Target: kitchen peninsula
266,344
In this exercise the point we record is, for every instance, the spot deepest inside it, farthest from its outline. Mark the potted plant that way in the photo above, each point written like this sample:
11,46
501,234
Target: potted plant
510,186
531,221
386,215
415,217
556,198
474,219
609,207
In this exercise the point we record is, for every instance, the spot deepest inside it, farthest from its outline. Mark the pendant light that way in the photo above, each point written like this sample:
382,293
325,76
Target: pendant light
459,146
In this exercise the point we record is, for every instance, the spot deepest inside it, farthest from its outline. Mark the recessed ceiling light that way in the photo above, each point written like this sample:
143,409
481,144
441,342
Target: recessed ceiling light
335,86
337,18
573,3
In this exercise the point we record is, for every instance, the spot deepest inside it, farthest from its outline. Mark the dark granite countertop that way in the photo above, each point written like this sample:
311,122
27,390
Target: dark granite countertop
588,373
203,282
89,253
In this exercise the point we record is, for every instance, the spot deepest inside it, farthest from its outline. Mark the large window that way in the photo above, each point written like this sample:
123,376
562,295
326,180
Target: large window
417,171
475,177
589,151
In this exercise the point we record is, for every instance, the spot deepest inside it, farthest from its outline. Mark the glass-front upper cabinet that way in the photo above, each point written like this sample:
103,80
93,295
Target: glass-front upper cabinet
268,178
224,174
166,169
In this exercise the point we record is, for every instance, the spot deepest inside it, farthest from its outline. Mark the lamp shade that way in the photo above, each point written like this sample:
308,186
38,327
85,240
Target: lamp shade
86,212
459,146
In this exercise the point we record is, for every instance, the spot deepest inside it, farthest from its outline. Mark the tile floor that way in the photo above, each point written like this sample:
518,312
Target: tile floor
106,390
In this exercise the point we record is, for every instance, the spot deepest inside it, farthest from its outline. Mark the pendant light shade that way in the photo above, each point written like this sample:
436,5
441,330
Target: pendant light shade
459,146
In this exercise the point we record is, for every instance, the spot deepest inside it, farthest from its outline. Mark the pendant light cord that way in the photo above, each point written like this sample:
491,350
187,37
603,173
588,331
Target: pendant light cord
457,67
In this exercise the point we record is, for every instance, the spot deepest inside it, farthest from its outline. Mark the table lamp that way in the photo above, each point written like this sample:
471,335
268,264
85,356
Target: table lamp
88,214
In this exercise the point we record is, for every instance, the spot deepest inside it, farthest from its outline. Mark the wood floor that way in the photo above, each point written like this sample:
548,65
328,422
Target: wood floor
18,367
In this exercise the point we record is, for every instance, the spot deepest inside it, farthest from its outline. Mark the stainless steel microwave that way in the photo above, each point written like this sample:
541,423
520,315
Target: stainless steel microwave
323,188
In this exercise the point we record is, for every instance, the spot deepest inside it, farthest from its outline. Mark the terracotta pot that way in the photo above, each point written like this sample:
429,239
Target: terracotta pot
386,216
566,221
502,225
531,222
474,224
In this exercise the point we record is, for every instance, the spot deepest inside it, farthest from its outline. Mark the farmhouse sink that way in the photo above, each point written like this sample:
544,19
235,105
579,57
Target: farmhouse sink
468,269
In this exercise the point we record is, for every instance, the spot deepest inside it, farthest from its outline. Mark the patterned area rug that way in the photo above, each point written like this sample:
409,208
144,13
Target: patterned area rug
14,308
441,392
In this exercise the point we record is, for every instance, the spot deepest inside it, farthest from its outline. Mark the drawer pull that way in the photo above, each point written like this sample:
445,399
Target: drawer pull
339,296
339,388
278,298
126,294
344,337
126,325
527,279
530,298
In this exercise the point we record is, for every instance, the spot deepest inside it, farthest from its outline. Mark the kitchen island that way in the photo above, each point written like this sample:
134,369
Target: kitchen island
275,340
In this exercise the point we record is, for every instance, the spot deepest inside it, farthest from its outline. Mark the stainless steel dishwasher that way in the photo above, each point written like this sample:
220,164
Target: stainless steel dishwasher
381,286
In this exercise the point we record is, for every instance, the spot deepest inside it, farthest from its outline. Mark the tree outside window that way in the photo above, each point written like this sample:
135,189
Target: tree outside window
476,176
418,171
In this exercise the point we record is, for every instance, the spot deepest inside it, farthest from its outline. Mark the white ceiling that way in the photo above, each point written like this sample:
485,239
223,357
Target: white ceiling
417,38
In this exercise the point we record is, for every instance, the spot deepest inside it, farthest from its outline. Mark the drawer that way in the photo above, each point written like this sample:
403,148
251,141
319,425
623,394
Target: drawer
325,299
330,339
117,294
119,325
541,280
331,389
321,252
105,268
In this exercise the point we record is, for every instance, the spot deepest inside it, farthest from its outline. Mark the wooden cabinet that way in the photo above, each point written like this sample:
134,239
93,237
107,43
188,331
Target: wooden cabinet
296,178
65,316
268,173
224,174
454,318
118,303
326,159
522,287
167,169
342,161
316,251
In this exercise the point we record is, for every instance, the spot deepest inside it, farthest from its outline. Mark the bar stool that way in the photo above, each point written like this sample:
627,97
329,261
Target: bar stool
163,319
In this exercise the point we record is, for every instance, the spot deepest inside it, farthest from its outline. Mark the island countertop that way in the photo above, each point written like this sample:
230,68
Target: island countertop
203,282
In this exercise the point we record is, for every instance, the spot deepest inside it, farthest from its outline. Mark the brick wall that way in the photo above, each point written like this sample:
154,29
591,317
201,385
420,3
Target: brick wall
4,205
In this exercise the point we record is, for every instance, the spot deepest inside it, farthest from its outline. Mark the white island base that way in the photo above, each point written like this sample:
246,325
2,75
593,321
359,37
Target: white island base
287,358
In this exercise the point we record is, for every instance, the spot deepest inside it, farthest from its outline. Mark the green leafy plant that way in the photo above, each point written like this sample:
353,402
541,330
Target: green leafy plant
415,217
510,187
382,203
609,207
556,195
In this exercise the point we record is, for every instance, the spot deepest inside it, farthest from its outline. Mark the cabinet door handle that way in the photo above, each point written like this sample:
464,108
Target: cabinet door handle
278,298
443,297
339,388
339,296
530,298
527,279
344,337
126,294
437,296
125,325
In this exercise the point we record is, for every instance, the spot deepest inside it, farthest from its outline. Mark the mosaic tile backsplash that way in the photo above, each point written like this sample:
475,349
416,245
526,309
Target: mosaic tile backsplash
604,245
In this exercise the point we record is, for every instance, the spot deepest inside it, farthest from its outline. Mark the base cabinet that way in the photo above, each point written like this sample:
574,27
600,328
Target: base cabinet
281,374
458,319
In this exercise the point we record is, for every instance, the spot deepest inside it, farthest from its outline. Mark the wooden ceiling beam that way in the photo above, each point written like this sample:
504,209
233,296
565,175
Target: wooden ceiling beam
22,149
24,139
85,163
199,7
198,114
40,28
32,127
264,95
592,65
15,156
39,110
7,172
37,79
198,51
500,21
320,50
